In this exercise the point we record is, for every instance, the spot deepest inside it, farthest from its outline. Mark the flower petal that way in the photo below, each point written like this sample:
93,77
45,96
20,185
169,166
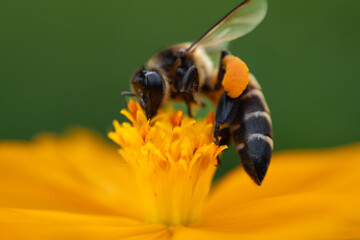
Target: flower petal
76,173
305,195
42,224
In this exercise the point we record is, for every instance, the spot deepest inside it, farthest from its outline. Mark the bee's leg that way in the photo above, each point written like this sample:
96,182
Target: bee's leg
124,94
189,88
221,71
226,106
226,112
227,109
232,77
213,88
188,106
222,134
225,135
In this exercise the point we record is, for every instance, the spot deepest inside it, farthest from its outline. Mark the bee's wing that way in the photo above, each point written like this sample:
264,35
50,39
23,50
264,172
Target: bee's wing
238,22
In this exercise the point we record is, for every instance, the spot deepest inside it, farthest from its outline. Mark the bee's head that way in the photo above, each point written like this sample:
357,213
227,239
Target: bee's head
149,87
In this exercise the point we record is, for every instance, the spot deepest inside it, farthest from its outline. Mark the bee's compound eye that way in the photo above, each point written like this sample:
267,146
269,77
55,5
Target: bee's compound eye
154,80
149,87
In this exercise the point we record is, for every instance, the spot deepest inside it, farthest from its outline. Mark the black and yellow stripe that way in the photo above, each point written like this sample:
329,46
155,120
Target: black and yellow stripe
252,131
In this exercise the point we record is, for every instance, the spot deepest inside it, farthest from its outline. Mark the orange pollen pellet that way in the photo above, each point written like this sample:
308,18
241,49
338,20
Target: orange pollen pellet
236,76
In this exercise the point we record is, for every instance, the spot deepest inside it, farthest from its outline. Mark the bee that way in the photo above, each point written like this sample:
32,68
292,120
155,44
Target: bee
183,71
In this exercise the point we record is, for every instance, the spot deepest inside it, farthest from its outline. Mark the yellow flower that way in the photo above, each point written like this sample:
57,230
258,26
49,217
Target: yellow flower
173,158
79,187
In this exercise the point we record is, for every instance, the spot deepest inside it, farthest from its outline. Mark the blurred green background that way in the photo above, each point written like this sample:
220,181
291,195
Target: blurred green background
64,63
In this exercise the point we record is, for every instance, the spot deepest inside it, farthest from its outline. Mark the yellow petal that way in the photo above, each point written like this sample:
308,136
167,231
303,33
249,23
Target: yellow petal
42,224
305,195
77,173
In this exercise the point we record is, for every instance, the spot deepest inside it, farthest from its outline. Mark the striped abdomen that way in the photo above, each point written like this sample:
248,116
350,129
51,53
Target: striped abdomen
252,131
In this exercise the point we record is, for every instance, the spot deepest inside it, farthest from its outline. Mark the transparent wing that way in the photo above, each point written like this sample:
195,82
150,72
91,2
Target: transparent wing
238,22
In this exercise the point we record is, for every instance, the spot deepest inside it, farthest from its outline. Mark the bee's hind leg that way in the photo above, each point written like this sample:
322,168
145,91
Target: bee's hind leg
221,72
226,114
213,88
189,88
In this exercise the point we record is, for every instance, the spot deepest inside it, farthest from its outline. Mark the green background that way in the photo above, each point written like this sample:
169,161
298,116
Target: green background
64,63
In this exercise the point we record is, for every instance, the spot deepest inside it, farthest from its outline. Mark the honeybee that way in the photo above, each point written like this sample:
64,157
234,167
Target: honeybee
183,71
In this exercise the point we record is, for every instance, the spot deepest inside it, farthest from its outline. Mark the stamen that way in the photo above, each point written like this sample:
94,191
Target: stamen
132,108
177,120
173,158
210,117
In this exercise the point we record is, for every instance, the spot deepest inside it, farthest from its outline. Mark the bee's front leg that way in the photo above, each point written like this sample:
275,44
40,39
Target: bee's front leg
124,94
189,88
